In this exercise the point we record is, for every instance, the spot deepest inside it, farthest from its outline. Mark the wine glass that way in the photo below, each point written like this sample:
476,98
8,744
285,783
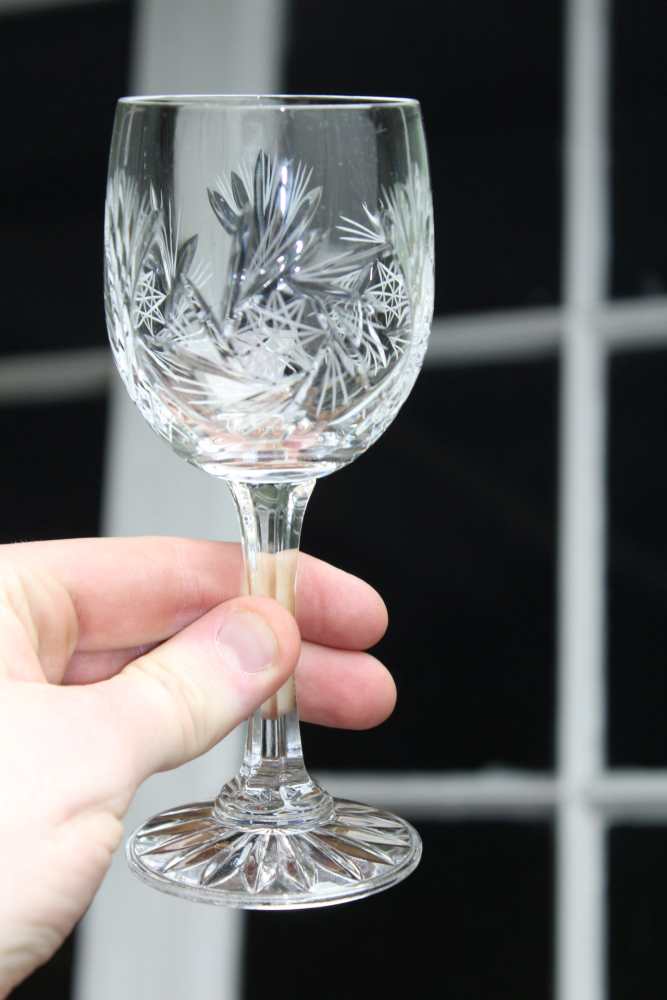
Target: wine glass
269,294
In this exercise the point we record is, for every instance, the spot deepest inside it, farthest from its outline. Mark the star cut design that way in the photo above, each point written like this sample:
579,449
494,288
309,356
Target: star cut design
148,302
389,296
190,846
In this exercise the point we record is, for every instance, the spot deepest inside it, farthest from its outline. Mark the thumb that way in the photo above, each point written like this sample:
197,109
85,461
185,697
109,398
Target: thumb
178,700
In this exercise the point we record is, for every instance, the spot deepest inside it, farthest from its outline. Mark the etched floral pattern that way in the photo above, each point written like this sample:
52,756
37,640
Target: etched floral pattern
309,320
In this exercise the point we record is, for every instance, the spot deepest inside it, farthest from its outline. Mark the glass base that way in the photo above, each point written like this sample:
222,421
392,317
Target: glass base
189,852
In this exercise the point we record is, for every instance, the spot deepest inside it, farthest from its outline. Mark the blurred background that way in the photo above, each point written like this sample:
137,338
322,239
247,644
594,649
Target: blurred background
513,516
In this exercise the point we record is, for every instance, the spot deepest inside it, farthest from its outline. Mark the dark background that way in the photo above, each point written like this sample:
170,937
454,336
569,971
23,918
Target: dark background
457,526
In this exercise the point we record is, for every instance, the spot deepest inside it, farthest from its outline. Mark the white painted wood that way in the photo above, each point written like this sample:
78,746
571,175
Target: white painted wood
635,795
580,970
446,796
629,794
485,338
581,900
136,943
581,579
209,46
51,376
635,323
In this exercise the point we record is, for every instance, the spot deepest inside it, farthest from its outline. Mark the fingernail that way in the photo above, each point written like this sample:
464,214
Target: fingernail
245,640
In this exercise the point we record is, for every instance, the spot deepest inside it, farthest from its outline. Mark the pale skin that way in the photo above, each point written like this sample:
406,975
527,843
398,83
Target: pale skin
113,667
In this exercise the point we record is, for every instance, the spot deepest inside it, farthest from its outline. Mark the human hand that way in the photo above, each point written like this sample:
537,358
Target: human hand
117,660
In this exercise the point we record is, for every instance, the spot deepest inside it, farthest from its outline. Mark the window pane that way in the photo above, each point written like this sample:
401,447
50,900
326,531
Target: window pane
491,97
64,69
452,517
639,162
637,914
637,594
473,921
52,468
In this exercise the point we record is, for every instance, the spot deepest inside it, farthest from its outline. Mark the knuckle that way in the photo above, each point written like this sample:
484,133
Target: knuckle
43,607
180,703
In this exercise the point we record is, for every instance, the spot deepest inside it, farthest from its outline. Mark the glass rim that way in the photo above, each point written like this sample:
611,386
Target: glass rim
258,102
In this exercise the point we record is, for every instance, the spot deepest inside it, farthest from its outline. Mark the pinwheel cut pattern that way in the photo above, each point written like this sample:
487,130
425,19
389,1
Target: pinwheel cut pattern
310,320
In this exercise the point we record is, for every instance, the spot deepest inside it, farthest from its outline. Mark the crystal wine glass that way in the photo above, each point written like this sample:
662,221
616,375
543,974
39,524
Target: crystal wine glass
269,293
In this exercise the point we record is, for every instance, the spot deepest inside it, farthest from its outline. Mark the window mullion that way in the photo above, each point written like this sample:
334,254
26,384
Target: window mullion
580,836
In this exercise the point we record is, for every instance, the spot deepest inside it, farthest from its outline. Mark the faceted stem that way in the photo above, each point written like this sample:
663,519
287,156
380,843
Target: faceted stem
273,787
271,516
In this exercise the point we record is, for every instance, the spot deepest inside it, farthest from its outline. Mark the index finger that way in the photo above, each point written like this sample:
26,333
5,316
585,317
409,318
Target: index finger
133,591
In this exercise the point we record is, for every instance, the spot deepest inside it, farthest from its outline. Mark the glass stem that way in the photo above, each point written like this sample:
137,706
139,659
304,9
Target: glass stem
273,787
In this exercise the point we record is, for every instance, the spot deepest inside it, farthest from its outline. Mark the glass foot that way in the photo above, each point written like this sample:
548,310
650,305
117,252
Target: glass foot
189,852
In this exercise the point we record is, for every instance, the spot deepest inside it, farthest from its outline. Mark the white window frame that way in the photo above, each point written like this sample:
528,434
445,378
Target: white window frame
583,796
